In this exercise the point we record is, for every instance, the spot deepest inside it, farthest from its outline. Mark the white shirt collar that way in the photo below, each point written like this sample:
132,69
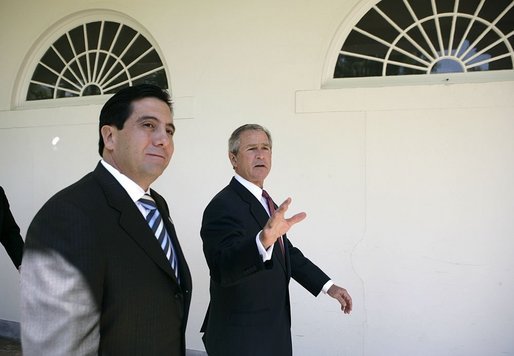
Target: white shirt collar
254,189
133,189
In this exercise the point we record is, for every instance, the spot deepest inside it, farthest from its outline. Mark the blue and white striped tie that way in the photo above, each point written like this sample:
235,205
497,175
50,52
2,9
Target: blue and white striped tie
154,220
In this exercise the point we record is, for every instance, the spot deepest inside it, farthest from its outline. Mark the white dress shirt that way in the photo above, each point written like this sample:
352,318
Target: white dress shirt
133,189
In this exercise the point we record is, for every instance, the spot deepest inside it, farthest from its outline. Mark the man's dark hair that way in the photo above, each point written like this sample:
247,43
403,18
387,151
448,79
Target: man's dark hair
119,107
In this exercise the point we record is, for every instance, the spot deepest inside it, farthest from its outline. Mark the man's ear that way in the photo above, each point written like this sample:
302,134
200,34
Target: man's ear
108,136
233,159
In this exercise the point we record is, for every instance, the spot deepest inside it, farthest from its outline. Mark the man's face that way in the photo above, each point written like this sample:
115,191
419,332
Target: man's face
143,148
253,160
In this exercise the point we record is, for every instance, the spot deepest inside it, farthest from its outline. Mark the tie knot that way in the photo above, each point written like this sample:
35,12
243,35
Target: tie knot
148,202
265,195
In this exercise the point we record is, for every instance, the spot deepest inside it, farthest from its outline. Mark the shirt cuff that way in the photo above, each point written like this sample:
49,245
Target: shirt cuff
265,254
327,286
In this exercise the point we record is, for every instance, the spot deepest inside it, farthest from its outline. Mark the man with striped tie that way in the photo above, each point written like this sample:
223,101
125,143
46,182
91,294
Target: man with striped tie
103,272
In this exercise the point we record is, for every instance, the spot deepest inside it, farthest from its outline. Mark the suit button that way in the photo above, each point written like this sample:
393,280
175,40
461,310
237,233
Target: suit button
177,296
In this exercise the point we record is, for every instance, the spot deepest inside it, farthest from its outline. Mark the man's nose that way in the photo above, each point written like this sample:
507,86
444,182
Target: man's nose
161,137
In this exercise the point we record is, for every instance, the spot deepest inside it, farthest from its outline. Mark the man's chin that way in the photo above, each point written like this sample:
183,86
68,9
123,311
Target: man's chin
155,170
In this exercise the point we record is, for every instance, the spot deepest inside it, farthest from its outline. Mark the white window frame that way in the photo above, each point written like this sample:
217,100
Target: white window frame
40,47
344,29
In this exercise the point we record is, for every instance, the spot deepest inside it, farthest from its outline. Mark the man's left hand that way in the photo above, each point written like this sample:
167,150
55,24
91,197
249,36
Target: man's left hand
342,297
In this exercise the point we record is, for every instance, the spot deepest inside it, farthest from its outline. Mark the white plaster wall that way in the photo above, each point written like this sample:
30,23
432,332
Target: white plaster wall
409,207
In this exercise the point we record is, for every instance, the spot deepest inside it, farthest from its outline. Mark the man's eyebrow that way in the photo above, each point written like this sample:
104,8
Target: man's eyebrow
250,145
170,125
146,117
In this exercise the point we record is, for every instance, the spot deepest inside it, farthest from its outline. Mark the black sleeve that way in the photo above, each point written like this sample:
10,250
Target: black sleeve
10,232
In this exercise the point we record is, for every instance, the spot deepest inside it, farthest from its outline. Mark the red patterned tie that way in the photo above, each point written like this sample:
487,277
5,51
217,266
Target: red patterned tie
271,207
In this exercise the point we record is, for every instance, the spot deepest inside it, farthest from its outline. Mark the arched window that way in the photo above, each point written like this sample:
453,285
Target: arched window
425,37
90,54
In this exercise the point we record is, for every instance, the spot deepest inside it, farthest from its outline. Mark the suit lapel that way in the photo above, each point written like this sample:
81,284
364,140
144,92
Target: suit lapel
260,215
131,220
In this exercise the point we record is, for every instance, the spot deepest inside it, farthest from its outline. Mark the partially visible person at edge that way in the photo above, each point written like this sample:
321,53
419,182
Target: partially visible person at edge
251,260
95,280
10,232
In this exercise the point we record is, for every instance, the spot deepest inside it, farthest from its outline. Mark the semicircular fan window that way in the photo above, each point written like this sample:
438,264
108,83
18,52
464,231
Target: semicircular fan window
401,37
94,59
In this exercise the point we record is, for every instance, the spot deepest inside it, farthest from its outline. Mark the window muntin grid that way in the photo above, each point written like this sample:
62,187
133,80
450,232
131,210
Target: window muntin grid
96,58
402,37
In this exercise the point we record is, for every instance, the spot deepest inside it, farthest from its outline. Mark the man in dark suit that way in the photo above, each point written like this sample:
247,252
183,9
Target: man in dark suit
251,260
10,232
95,279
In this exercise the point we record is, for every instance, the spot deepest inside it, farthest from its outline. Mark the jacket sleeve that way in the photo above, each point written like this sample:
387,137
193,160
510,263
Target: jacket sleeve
60,278
10,232
305,272
229,245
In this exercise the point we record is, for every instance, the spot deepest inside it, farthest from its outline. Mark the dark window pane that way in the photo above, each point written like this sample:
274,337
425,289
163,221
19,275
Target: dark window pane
79,79
117,75
445,6
460,29
115,89
62,83
126,35
392,69
348,66
39,92
65,94
158,78
77,38
408,46
415,38
62,45
139,46
421,8
490,11
52,60
92,89
398,14
120,77
375,24
506,23
358,43
469,6
42,74
110,30
93,34
146,64
402,58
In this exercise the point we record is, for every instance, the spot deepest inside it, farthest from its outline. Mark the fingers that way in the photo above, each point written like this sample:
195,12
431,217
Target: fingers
282,209
346,302
347,307
278,225
343,297
296,218
284,206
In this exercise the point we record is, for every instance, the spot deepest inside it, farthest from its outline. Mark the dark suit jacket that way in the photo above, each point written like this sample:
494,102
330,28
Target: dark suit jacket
9,231
95,280
249,311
